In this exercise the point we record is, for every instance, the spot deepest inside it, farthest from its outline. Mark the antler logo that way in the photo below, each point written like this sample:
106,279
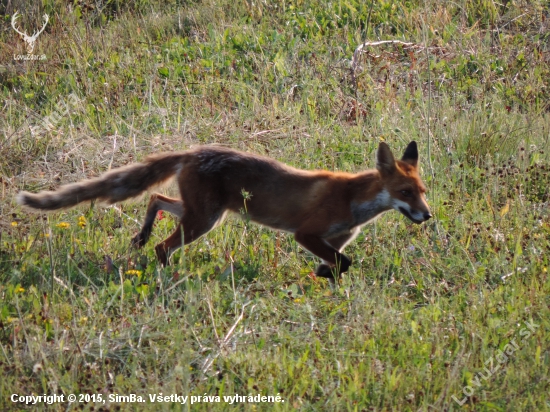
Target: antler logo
30,40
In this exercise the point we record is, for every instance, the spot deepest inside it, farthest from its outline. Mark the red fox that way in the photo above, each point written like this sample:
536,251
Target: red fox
324,210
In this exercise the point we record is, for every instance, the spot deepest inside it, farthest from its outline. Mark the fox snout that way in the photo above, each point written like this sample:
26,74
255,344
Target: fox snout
415,216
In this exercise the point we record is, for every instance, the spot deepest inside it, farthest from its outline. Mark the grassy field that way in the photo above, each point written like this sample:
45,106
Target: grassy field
451,315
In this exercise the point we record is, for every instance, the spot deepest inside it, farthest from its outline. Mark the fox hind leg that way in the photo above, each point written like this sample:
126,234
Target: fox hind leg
192,226
156,203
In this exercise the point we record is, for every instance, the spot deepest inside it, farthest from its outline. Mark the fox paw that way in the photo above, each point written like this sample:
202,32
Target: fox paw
162,256
334,272
324,271
139,240
345,263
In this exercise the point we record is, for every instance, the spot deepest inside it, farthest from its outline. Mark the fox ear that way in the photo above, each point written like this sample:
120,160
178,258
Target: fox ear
411,154
385,162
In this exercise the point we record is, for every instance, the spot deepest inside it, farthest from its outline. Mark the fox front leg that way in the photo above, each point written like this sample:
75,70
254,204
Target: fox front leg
335,263
342,265
333,272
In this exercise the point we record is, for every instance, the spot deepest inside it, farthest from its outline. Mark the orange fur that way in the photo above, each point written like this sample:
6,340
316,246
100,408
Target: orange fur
324,210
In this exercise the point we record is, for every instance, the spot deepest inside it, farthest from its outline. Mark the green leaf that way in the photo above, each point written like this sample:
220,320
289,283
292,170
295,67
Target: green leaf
163,71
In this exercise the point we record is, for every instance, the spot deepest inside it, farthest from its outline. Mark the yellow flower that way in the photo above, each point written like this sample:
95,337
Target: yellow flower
133,272
19,289
82,222
63,225
14,224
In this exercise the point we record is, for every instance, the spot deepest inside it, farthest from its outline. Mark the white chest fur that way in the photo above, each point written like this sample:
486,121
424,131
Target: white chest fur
365,211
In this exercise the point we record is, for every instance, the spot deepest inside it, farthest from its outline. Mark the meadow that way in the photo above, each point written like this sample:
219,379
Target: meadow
450,315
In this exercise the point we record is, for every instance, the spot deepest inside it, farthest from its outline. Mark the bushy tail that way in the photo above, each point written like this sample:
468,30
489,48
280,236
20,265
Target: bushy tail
114,186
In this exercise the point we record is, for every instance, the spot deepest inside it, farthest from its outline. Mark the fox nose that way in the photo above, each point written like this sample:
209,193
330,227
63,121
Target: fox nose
427,215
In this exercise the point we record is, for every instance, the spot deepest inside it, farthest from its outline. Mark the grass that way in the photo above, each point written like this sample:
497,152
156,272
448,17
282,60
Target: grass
423,310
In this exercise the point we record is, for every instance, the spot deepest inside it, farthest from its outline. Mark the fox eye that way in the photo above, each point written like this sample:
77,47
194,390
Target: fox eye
406,193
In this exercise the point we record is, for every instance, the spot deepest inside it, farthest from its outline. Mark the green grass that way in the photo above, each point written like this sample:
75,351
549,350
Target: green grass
422,311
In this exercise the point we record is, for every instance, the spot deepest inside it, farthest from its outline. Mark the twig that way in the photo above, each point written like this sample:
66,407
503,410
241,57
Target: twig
114,151
50,254
115,207
223,343
354,59
213,321
362,46
59,281
185,278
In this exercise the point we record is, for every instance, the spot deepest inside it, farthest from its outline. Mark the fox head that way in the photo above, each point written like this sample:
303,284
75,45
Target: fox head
403,183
